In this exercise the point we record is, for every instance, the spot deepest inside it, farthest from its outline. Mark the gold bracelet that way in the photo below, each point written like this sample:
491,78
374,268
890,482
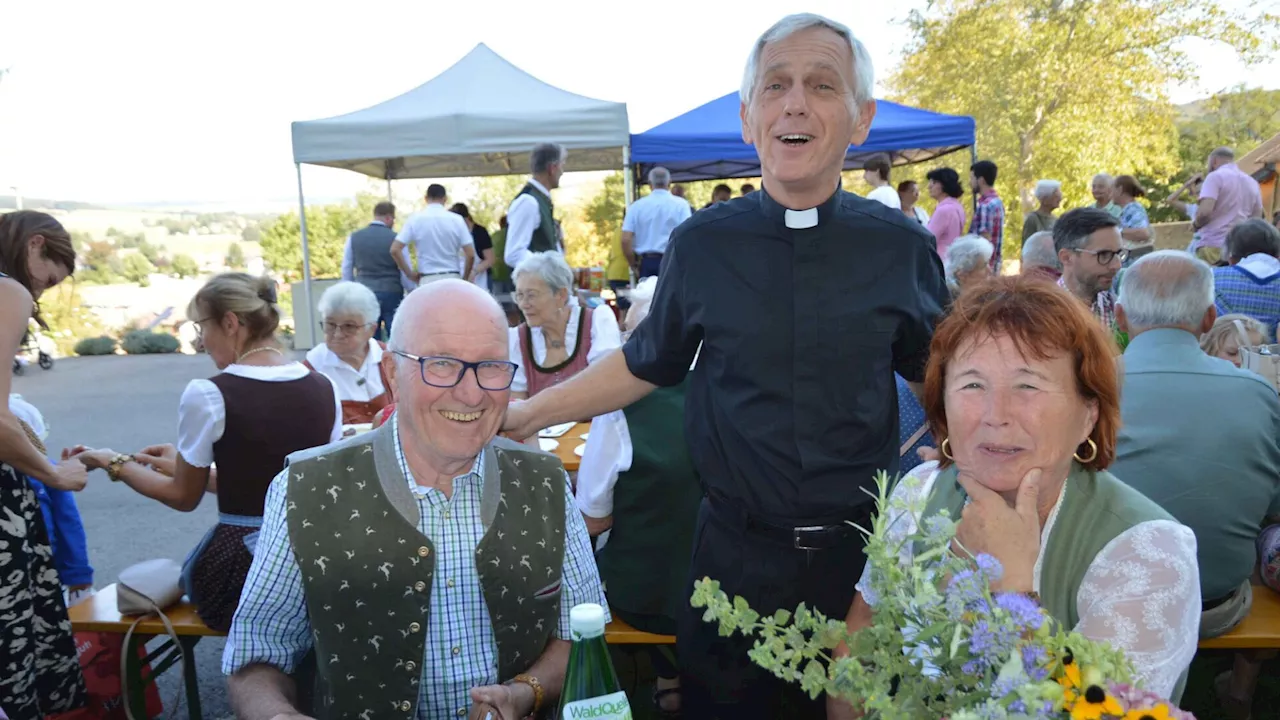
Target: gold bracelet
118,461
536,686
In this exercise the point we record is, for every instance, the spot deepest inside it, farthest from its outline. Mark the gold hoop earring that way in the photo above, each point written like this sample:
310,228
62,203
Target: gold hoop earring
1093,455
945,448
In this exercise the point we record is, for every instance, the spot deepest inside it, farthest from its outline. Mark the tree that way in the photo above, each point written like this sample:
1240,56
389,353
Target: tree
327,230
493,195
251,233
1062,89
102,264
235,256
184,266
138,269
603,214
147,250
80,240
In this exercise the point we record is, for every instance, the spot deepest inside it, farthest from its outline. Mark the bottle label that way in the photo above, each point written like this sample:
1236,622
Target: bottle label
605,707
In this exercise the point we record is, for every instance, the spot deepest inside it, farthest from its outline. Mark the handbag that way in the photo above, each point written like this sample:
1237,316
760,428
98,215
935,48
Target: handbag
1261,359
146,589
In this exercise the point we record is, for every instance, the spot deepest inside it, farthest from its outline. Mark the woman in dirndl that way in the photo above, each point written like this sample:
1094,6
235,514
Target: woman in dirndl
39,672
350,356
244,422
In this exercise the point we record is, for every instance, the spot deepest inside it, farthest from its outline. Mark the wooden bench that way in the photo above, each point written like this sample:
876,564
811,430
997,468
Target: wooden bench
1260,630
100,614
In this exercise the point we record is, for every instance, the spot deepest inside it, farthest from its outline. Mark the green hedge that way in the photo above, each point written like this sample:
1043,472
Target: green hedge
144,342
101,345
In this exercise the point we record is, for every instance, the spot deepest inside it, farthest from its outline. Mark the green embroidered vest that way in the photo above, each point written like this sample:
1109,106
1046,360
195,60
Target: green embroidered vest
645,564
1096,508
546,236
367,570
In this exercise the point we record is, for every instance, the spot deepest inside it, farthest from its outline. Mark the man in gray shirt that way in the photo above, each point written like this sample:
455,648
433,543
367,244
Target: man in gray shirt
1198,435
366,259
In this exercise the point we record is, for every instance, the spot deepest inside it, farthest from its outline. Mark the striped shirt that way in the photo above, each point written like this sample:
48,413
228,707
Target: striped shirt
1252,287
271,626
988,221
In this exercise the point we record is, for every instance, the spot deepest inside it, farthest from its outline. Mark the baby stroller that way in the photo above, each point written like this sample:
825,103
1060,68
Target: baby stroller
31,345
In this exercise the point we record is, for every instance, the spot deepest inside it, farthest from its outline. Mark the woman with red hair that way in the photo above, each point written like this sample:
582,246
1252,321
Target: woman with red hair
1021,391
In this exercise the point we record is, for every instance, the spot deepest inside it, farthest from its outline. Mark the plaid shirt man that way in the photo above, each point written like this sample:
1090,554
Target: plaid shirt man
1104,306
271,626
988,221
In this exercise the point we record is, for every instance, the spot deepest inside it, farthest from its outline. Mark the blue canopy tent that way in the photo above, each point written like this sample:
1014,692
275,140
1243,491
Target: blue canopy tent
706,142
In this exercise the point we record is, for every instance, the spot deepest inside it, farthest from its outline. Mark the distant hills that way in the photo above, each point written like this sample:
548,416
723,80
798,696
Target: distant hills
10,202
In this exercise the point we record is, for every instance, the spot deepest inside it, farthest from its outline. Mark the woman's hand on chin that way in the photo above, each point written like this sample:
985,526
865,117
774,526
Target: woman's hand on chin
1010,534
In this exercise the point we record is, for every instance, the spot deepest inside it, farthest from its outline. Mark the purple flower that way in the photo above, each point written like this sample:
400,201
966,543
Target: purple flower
964,594
992,641
989,567
1019,707
1034,659
1026,613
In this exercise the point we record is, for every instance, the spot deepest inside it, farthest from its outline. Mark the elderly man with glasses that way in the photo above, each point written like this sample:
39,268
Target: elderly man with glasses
430,564
1088,244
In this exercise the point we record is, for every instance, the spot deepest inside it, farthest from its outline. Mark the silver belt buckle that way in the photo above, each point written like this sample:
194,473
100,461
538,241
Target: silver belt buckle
795,533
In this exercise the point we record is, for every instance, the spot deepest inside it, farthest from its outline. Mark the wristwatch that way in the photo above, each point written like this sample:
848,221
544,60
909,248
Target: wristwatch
534,685
116,465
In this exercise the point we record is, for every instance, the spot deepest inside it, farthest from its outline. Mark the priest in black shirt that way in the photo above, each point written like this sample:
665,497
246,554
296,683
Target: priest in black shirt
800,302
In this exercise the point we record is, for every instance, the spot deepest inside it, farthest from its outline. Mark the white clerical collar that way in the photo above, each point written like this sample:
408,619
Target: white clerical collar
801,219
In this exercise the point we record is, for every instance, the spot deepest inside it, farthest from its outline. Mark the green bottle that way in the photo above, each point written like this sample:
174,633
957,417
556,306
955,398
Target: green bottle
591,688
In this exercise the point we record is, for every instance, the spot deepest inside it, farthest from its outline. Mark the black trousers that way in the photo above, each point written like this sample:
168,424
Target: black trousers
717,679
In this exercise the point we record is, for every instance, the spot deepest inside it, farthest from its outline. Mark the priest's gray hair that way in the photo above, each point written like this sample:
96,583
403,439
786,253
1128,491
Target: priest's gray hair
863,71
550,266
1046,188
659,177
350,297
1168,288
967,253
545,155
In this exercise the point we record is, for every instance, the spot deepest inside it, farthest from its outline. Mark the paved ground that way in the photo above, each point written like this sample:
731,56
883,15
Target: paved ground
127,403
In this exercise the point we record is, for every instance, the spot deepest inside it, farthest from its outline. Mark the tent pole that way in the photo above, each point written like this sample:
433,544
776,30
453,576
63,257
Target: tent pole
306,260
973,160
389,190
628,176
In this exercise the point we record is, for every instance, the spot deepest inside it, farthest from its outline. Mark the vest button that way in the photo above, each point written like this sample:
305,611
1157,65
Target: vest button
411,666
424,551
414,627
420,586
405,706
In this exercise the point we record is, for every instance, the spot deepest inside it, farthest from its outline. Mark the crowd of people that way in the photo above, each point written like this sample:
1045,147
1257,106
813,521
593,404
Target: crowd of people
1088,421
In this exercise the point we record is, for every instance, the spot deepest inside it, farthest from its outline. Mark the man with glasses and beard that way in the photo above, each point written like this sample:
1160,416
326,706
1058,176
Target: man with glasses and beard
1088,244
430,564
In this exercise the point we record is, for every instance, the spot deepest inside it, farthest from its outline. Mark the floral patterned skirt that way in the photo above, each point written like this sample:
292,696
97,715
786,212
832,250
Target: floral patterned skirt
218,568
39,671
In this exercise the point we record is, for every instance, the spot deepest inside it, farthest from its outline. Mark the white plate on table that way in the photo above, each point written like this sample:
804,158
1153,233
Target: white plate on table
548,445
580,450
556,431
584,436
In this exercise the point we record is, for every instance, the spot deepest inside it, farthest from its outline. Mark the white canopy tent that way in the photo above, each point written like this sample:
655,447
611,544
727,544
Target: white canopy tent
480,117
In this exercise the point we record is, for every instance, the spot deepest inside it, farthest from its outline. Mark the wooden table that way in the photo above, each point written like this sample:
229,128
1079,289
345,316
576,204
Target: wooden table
568,442
1259,630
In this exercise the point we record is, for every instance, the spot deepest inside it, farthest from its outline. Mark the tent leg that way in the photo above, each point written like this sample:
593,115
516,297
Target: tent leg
628,176
306,264
389,198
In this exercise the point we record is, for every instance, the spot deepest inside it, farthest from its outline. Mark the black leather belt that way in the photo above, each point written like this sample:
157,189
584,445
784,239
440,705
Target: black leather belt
650,255
801,537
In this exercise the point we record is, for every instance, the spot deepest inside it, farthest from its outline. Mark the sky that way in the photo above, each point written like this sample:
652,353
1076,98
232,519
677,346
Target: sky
133,101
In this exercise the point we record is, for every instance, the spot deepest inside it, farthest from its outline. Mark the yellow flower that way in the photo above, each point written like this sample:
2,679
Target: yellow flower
1159,712
1070,678
1094,704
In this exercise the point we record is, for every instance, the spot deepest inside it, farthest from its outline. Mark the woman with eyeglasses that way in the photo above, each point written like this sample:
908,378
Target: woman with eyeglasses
246,420
558,337
350,356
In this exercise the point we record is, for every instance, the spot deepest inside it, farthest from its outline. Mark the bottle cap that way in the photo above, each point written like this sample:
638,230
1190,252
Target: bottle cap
586,621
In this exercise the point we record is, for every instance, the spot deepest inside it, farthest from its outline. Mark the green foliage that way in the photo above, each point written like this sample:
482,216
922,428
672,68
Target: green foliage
184,266
235,257
145,342
251,233
101,345
327,230
493,195
102,265
80,240
69,320
603,214
138,269
1065,90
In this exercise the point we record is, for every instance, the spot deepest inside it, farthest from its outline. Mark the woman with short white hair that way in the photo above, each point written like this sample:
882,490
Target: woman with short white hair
558,337
1049,194
349,356
968,261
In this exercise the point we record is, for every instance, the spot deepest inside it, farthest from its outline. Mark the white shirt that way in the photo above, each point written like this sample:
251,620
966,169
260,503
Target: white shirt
605,336
439,237
1141,594
360,385
1260,265
607,455
652,218
349,263
27,413
202,413
922,216
887,195
523,217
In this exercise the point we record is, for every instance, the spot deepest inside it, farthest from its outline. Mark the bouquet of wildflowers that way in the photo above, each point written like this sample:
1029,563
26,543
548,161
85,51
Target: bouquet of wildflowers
941,645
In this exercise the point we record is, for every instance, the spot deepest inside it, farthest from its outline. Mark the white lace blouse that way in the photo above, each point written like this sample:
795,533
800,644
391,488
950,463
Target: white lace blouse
1141,594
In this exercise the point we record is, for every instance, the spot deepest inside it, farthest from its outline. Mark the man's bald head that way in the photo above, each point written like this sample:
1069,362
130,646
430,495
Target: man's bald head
1168,289
450,306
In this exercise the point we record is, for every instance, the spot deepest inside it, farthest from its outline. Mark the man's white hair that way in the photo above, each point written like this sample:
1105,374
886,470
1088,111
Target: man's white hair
1046,188
1168,288
1038,251
863,71
349,297
1104,178
659,177
967,253
550,266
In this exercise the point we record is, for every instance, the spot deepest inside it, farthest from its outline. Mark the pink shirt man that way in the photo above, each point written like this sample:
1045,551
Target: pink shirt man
1236,197
947,223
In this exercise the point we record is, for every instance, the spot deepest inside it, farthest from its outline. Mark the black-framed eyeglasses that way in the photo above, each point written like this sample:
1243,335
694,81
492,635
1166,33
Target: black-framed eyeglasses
1105,257
446,372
